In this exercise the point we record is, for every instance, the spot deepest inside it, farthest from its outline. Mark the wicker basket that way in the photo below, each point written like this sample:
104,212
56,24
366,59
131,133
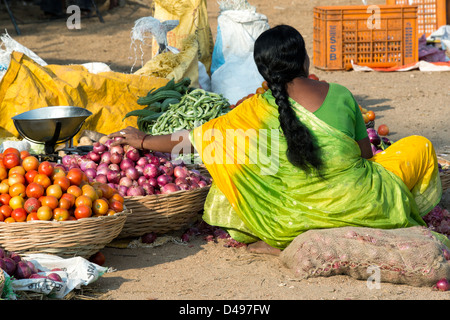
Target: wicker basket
163,212
66,239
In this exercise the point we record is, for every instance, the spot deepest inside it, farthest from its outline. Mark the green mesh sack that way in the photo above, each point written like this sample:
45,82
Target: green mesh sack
412,256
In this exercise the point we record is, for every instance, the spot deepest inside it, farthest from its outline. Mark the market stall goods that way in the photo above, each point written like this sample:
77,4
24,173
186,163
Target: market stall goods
176,107
46,208
412,256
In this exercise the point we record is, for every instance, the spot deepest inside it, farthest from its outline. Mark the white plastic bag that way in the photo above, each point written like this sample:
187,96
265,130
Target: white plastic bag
7,46
234,73
75,272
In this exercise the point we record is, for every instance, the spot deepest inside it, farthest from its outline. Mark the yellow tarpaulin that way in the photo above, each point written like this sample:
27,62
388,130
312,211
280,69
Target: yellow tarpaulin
108,95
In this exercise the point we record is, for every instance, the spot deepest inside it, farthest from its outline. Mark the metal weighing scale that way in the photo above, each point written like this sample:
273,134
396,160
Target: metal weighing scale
51,126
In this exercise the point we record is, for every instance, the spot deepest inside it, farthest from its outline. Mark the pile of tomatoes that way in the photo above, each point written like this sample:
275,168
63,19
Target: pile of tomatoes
33,190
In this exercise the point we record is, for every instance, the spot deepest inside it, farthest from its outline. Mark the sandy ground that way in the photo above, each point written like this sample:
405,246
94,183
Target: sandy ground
408,102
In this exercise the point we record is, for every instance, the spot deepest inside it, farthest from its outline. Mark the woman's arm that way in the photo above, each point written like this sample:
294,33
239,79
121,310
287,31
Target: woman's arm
366,149
177,142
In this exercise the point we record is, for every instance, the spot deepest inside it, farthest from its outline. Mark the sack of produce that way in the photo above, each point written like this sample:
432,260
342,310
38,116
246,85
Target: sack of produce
193,20
233,70
412,256
46,273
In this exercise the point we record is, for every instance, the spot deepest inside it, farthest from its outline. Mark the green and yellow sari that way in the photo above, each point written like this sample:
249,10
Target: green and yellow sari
258,194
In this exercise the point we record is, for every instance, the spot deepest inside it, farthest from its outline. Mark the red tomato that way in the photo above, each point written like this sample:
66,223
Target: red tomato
11,150
11,160
30,163
49,201
31,204
383,130
370,115
46,168
43,180
97,258
100,207
35,190
29,176
19,214
75,176
6,210
313,77
60,214
82,211
45,213
32,216
4,198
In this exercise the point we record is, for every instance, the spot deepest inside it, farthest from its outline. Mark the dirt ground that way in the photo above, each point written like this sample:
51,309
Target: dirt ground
408,102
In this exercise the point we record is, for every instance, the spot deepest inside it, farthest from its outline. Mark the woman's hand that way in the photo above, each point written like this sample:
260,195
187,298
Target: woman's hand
130,136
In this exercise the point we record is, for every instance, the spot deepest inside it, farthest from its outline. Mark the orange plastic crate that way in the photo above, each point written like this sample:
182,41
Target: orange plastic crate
346,33
431,14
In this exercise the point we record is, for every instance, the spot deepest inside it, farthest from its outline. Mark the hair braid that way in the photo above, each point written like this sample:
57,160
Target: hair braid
279,55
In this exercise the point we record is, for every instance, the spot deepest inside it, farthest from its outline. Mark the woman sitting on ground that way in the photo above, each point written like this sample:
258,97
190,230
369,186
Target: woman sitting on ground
298,157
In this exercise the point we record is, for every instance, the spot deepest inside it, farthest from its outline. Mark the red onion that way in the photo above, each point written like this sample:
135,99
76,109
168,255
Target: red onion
167,168
2,253
116,149
183,186
180,172
141,180
106,157
114,167
180,180
153,182
202,183
91,173
194,178
55,277
132,173
163,180
37,276
69,160
135,191
116,158
194,185
133,154
443,285
108,143
23,271
98,148
126,163
103,169
94,156
148,188
140,169
142,161
149,237
101,178
125,181
87,164
10,266
155,161
151,171
113,176
15,256
122,190
32,267
169,188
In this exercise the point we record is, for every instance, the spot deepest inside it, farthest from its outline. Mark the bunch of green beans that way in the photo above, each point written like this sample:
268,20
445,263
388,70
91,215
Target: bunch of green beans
194,109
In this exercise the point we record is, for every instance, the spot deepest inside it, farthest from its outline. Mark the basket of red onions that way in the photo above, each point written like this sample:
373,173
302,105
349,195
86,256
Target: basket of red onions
162,194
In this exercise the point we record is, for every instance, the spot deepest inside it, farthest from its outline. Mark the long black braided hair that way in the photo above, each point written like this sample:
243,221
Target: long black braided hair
280,57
